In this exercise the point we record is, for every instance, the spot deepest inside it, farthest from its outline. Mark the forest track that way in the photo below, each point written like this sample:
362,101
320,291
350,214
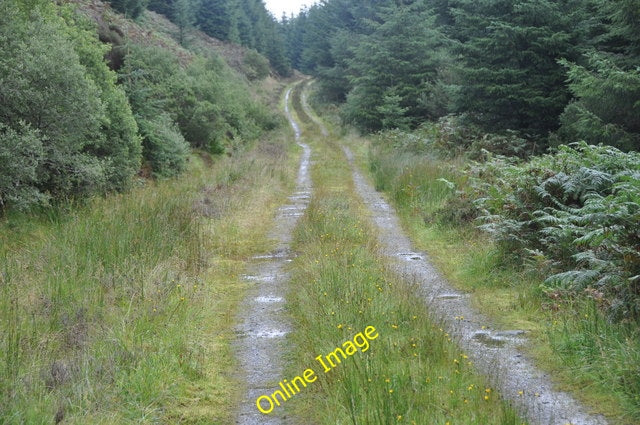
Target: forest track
263,324
495,353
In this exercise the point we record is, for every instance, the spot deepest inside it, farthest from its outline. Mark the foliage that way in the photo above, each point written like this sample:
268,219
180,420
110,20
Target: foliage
509,77
68,279
588,349
453,136
210,104
216,18
164,146
120,145
256,66
394,71
20,153
576,211
607,109
53,79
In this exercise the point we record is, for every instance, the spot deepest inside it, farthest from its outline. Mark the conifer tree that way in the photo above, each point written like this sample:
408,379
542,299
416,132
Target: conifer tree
394,70
214,18
510,77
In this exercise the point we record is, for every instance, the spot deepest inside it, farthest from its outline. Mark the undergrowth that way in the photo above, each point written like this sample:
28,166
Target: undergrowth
549,245
121,311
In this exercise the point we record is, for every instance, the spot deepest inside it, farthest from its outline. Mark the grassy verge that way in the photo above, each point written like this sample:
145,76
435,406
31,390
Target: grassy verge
121,311
595,359
412,370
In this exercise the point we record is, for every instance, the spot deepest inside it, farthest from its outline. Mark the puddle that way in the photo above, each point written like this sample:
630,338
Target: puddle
499,339
489,340
451,296
259,278
281,253
293,214
510,334
413,256
268,300
269,333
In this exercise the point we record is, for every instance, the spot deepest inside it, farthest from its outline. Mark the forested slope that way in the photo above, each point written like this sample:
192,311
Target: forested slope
73,124
552,72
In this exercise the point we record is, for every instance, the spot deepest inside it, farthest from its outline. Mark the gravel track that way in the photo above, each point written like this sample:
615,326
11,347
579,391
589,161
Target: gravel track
263,324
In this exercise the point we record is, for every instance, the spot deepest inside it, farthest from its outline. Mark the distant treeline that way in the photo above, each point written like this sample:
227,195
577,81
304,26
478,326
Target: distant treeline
73,125
553,71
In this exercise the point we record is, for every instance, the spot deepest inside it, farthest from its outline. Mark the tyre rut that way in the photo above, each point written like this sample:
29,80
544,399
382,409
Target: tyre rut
260,345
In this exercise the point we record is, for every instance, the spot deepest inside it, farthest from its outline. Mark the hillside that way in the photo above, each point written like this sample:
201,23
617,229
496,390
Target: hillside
153,29
88,126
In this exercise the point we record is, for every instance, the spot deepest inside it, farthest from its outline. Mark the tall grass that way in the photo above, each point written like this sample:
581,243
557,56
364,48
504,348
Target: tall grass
413,372
120,311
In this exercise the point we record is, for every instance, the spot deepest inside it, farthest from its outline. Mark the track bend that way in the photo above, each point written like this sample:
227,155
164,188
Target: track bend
263,324
495,353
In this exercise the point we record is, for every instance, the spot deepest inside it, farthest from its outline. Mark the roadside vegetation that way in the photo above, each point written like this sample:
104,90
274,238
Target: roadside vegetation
86,109
340,285
122,310
548,245
123,228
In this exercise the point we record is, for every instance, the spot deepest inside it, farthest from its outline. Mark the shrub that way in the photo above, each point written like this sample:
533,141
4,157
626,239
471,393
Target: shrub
211,105
119,146
164,146
56,87
256,66
44,85
21,153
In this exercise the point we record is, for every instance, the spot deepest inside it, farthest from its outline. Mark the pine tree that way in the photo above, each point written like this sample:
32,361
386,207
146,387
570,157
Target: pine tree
394,71
214,18
510,77
183,17
606,81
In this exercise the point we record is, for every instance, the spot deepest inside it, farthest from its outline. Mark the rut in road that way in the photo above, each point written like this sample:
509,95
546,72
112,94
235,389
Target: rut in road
495,353
263,325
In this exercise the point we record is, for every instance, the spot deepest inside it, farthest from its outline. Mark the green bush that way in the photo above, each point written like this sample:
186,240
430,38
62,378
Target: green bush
44,85
21,153
256,66
119,146
53,80
211,105
164,147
